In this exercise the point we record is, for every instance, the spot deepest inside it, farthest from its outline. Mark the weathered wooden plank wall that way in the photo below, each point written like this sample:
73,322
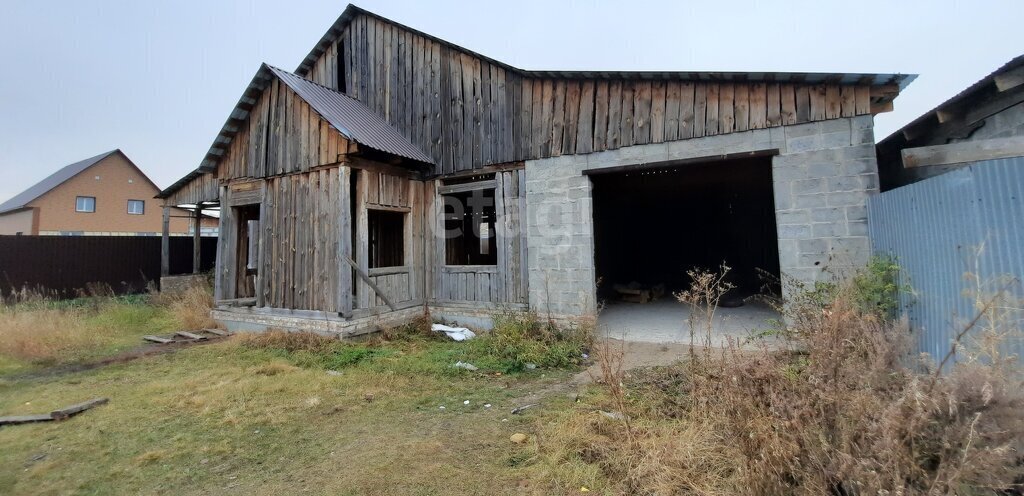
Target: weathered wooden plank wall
504,282
300,239
282,135
467,113
202,188
378,190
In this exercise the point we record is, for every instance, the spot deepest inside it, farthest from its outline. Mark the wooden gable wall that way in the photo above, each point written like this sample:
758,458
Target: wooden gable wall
282,135
466,112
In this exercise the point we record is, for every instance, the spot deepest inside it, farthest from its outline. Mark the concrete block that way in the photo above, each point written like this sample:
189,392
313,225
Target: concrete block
833,214
847,199
856,213
828,229
803,143
794,231
836,140
846,183
805,186
814,245
792,217
816,200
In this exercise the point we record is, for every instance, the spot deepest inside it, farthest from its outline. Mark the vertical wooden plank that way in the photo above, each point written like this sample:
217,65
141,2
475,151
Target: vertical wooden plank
848,105
363,291
773,105
343,241
483,127
741,97
437,118
672,100
546,104
501,226
833,101
787,102
628,105
477,127
758,106
711,121
803,103
457,104
522,282
726,109
602,101
658,106
862,99
818,103
690,121
558,118
642,112
573,92
585,121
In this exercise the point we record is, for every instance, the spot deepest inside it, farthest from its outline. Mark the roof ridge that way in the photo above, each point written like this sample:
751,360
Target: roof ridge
53,180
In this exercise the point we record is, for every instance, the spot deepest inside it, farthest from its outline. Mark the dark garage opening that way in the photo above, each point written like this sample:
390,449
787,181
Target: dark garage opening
652,225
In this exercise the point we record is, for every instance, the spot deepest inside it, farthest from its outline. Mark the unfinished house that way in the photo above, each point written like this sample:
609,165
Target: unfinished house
393,171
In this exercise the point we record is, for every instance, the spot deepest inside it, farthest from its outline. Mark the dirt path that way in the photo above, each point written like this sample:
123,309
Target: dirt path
634,355
144,350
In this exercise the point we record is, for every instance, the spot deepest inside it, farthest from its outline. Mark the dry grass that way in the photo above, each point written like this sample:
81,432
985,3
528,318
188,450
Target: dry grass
276,339
43,335
842,410
37,331
190,307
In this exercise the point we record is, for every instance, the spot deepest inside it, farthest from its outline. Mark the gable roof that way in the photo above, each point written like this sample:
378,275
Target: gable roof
874,79
21,200
352,118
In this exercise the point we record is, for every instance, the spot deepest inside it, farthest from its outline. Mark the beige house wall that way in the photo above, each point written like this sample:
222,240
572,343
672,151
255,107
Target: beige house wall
17,222
112,181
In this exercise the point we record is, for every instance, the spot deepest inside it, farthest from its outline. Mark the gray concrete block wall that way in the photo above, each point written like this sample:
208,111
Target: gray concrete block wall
822,177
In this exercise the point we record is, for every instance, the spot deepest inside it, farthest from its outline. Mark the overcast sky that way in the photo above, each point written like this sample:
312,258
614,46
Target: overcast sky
157,79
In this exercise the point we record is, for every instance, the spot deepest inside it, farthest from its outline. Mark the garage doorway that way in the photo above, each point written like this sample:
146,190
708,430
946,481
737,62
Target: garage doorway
652,225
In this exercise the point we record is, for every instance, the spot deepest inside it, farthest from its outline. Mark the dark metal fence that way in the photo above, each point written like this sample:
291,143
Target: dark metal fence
66,265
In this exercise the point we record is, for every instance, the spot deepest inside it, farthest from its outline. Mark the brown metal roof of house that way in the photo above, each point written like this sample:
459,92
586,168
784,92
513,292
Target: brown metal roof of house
21,200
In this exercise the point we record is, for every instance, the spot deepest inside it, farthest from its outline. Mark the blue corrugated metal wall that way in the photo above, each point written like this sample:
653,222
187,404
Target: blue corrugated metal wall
934,228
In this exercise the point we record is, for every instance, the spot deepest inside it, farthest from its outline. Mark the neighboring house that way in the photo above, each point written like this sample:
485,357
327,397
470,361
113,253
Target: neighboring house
102,195
984,121
394,171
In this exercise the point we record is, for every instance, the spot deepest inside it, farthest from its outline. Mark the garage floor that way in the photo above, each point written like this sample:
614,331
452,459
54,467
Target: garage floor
666,321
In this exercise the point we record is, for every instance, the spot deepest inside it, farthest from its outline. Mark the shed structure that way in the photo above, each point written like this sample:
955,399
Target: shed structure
393,171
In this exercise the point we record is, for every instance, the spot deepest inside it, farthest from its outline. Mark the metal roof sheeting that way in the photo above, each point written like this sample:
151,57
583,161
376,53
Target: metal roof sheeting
352,118
21,200
970,220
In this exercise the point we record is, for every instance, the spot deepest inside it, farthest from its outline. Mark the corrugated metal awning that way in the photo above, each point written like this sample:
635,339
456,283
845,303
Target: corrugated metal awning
352,118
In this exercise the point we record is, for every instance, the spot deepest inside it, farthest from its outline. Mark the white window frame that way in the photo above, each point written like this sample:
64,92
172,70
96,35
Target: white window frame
83,209
140,202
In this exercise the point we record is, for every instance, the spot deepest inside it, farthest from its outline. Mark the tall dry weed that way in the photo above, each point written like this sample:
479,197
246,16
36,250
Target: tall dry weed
191,307
842,409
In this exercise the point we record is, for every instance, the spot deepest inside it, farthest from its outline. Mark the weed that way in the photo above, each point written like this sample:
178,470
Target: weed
840,410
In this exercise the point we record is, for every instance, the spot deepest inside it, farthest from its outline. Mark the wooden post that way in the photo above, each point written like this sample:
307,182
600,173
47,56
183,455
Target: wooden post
345,286
197,240
165,244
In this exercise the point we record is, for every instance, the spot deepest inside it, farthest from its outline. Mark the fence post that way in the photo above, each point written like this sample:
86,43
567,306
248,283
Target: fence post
165,244
197,241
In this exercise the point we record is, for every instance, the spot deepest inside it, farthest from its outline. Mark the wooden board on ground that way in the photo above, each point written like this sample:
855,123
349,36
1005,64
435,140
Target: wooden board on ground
158,339
62,414
189,335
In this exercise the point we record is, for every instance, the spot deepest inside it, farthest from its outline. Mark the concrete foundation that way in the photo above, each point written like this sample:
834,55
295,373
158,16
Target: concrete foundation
667,321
